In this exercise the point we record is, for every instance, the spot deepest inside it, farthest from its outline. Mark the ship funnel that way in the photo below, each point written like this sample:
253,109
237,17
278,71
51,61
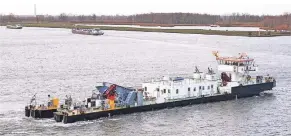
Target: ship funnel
196,70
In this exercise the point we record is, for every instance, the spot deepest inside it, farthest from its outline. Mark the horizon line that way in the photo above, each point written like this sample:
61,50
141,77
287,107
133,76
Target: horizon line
225,14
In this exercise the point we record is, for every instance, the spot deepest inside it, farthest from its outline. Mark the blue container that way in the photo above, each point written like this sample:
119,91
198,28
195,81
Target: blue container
122,92
130,100
139,98
101,89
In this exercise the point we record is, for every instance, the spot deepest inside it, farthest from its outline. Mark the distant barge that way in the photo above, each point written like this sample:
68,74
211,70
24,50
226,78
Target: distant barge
95,31
18,26
214,26
111,99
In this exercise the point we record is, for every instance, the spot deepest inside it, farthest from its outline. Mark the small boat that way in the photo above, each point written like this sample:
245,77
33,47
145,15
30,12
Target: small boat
17,26
94,31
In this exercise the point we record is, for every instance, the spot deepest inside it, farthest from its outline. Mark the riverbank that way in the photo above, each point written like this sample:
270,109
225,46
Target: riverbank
182,31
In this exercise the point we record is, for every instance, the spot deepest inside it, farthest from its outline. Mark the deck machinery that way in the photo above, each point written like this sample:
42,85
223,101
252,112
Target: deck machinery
42,110
107,97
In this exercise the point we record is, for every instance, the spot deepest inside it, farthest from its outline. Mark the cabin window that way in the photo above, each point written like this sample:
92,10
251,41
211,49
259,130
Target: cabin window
208,87
158,89
165,91
169,91
177,91
194,89
211,86
199,87
202,87
189,89
145,89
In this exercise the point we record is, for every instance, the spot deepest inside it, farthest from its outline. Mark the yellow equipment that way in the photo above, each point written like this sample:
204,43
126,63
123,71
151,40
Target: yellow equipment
55,103
112,104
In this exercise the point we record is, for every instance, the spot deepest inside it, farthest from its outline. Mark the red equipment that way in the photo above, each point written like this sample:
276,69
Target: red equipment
110,92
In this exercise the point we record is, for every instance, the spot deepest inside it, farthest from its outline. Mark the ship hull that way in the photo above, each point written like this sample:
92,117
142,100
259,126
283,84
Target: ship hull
251,90
43,113
238,92
27,111
13,27
35,113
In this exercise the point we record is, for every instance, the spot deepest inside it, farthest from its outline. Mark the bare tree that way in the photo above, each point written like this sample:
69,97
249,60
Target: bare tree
235,19
94,17
81,18
63,17
11,17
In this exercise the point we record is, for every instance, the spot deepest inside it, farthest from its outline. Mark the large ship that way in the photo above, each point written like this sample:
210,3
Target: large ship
233,81
94,31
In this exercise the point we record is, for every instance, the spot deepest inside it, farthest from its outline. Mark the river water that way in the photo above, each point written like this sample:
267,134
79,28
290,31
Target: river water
56,62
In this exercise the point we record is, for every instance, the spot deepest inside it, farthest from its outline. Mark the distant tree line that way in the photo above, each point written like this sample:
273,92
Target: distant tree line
165,19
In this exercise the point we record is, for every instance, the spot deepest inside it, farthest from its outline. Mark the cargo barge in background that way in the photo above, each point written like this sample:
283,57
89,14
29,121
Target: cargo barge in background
17,26
94,31
110,99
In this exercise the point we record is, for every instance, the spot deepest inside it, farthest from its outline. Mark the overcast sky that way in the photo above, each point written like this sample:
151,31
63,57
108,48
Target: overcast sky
128,7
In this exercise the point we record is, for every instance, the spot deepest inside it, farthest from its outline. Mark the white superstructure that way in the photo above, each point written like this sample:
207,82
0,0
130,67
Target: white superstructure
233,71
171,88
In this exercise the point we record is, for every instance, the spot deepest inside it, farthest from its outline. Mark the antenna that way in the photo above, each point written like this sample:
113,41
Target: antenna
196,70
